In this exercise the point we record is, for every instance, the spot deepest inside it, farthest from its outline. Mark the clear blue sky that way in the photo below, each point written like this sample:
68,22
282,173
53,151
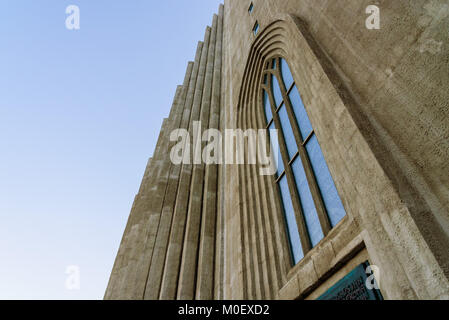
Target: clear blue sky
80,113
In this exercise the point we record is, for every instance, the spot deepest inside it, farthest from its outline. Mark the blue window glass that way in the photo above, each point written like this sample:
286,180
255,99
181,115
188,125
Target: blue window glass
292,227
267,106
320,170
305,127
256,29
276,91
331,199
251,8
287,130
307,204
276,150
286,74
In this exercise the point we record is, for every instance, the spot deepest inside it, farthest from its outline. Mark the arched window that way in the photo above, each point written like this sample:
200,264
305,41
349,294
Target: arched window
310,199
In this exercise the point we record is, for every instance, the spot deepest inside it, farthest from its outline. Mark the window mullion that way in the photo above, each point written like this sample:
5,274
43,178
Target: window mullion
294,158
299,215
269,123
308,138
313,185
280,176
291,88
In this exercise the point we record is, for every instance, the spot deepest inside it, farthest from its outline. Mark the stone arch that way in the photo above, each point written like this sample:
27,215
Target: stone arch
266,255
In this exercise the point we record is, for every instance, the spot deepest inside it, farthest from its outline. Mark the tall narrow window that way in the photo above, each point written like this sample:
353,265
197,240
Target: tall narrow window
251,8
308,194
256,28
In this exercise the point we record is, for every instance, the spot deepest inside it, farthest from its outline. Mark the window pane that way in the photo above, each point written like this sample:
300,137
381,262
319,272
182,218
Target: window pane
256,29
251,7
276,150
276,91
286,74
329,193
307,203
300,113
287,130
292,227
267,106
274,63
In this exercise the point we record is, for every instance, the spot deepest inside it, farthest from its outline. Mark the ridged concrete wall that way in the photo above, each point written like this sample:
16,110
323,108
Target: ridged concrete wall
171,241
378,103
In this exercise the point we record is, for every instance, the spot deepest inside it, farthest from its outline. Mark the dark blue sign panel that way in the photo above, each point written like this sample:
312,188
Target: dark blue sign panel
353,287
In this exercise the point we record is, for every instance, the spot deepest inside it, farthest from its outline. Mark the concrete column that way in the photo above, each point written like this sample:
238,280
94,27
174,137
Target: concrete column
136,247
206,255
233,264
137,272
173,254
166,234
160,249
158,196
114,273
186,286
219,239
134,217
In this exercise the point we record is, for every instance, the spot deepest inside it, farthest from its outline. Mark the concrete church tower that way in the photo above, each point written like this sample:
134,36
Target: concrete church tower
358,208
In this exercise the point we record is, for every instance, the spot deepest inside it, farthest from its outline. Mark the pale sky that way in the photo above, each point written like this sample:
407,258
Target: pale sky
80,113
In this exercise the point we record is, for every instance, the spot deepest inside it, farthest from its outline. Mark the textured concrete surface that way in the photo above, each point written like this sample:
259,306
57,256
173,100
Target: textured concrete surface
378,101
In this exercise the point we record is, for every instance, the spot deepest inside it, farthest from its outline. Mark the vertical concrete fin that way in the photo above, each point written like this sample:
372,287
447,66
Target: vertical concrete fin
219,233
156,222
206,255
113,277
175,106
113,291
141,249
157,260
174,247
170,229
187,275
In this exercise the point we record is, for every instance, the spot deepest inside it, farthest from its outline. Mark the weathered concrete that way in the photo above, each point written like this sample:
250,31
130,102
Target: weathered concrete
378,103
206,254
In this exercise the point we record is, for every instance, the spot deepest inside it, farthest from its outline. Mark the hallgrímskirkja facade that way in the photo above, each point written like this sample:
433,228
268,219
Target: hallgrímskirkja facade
357,207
